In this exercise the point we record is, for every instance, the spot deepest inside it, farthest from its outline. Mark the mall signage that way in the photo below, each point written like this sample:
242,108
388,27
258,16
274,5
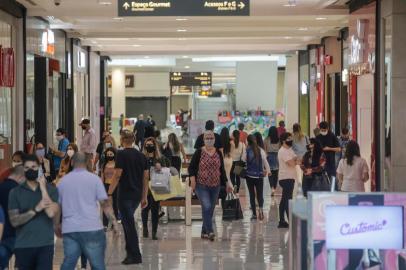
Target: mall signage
190,78
364,227
128,8
129,81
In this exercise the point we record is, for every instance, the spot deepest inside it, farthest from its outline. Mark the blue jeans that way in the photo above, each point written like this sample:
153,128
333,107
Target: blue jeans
92,244
127,209
6,251
207,197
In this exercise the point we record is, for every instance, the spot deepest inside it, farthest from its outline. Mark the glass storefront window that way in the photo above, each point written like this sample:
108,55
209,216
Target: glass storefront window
388,100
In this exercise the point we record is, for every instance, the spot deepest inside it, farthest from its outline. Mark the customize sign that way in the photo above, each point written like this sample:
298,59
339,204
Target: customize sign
363,227
190,78
128,8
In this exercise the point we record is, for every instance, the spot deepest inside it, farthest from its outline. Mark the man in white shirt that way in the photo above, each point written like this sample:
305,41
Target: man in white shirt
88,144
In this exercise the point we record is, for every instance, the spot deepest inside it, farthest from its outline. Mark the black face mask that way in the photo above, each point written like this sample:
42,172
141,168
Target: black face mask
150,148
83,127
109,158
289,143
308,147
31,175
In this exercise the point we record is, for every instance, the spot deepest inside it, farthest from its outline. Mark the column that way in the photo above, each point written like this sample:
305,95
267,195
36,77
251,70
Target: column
291,98
394,13
117,99
257,85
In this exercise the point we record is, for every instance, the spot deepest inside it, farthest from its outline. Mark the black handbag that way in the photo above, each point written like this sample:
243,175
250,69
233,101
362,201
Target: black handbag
321,182
240,167
232,208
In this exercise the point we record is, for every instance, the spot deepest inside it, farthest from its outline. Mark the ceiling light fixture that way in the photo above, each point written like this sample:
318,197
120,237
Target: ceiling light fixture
118,19
104,2
136,45
182,39
185,56
288,37
187,67
291,3
146,57
182,19
181,30
321,18
303,29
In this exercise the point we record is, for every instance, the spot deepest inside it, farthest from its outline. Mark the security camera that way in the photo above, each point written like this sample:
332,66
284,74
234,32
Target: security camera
57,2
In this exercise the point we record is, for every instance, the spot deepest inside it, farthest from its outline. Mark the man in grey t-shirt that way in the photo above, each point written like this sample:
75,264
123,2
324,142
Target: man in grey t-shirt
80,193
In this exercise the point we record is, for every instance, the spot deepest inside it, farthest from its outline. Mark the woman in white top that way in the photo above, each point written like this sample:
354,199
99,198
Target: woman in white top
237,151
257,169
287,175
353,172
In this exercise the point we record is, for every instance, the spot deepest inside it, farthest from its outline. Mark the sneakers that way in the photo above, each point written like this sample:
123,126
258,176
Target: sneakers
283,225
254,217
204,236
154,237
128,261
145,233
212,237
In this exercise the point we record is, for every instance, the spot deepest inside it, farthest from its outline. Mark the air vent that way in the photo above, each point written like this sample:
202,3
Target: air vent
335,4
32,3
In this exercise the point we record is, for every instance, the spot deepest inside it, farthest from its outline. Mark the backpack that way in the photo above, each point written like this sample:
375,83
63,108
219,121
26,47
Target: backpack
160,180
254,166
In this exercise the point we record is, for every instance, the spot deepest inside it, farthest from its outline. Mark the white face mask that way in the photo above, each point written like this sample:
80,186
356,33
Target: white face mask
15,164
108,145
324,133
59,138
70,153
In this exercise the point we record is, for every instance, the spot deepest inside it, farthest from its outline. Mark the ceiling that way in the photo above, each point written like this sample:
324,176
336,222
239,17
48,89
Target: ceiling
271,28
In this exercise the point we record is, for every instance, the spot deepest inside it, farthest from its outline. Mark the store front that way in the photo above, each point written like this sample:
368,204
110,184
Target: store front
362,87
46,82
12,16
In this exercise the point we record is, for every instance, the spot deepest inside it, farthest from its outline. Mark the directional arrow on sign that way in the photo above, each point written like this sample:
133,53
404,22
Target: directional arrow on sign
126,5
241,5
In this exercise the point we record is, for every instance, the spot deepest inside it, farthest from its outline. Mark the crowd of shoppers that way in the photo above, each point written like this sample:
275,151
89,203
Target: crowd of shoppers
61,192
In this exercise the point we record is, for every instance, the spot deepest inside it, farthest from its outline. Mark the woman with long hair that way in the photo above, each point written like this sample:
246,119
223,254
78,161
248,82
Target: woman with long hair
226,143
260,140
272,146
173,150
313,163
155,161
257,169
45,164
238,149
300,141
66,165
353,171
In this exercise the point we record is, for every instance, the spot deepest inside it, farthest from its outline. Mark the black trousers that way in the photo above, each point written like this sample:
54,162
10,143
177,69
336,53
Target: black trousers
153,206
273,179
127,209
176,162
307,183
287,193
115,206
39,258
255,185
235,179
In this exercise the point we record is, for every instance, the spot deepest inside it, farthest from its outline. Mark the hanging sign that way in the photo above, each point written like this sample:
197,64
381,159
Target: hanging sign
7,67
128,8
190,79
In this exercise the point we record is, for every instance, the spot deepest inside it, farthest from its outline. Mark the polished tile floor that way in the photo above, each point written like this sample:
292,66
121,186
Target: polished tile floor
240,245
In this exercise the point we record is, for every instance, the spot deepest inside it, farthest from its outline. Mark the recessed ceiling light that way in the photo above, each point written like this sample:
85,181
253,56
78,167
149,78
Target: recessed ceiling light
182,19
182,39
303,29
104,2
146,57
94,42
187,67
139,65
185,56
321,18
288,37
181,30
118,19
289,5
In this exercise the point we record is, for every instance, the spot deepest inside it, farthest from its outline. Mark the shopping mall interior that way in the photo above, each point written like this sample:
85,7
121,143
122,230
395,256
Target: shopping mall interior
301,66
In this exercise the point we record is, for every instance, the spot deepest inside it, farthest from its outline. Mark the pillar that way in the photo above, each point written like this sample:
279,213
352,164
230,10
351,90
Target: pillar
257,85
117,98
393,14
291,98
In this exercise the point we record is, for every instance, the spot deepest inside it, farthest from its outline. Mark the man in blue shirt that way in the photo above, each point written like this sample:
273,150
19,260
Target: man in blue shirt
60,153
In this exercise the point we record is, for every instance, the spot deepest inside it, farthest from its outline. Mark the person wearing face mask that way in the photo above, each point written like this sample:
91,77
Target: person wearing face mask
88,144
45,167
343,140
16,159
107,173
106,142
330,145
32,207
59,153
313,163
66,166
156,161
287,174
207,175
7,241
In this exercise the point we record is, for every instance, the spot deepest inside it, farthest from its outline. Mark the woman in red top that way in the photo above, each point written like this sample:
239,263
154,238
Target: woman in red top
207,174
313,163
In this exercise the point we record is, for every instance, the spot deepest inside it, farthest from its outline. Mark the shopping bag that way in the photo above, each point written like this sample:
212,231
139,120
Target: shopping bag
160,180
232,208
177,189
321,182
